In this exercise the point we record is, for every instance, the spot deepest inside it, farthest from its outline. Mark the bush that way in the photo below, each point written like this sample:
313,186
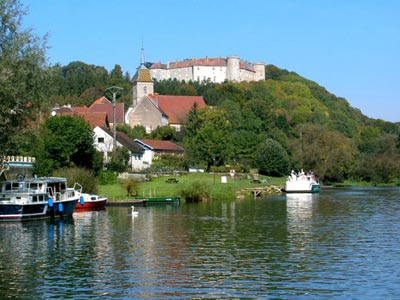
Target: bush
82,176
196,192
107,177
130,186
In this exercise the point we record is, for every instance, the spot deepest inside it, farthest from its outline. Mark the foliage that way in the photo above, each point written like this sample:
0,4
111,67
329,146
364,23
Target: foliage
205,139
196,192
107,177
119,160
272,159
64,141
130,185
137,132
22,76
82,176
164,133
318,130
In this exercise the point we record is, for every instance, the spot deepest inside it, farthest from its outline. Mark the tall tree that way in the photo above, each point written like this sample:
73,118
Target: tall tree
22,61
65,141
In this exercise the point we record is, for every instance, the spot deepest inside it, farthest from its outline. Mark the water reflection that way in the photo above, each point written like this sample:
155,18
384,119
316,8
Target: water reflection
340,244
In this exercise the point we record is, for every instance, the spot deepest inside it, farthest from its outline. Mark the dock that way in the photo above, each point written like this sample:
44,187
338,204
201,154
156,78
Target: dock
257,191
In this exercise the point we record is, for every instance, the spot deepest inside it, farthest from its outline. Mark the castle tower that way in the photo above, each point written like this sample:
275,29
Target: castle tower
143,84
233,68
259,67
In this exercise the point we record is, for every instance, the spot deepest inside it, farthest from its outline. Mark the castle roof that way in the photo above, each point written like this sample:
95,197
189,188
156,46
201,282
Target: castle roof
199,62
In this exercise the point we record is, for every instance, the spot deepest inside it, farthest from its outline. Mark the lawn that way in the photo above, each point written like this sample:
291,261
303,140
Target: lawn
159,187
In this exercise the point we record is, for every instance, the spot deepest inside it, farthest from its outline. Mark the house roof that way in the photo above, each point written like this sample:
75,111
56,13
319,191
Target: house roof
125,141
177,107
160,145
104,105
96,119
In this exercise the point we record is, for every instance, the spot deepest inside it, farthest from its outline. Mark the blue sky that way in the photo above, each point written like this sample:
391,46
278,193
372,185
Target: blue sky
350,47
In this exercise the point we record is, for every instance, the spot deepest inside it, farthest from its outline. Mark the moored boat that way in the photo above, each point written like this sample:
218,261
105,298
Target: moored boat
91,202
302,184
37,198
159,200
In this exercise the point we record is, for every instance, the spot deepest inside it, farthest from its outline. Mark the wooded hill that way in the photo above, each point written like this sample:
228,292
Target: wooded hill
285,122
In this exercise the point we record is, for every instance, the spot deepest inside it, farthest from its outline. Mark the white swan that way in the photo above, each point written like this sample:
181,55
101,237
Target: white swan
134,213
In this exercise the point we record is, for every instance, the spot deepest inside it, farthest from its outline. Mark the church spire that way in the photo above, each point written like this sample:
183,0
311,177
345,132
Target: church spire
142,60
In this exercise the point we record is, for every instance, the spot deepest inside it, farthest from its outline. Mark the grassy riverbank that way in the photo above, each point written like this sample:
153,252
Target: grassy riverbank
218,190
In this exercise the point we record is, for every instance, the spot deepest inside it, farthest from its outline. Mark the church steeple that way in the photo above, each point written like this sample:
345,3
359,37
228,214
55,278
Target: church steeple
143,84
142,60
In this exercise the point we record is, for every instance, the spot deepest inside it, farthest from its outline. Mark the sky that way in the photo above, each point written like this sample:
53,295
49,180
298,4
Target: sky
350,47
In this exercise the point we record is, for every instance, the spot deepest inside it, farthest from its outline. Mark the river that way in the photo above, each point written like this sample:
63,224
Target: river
341,244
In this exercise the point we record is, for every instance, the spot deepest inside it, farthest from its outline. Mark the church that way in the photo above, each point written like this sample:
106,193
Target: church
151,110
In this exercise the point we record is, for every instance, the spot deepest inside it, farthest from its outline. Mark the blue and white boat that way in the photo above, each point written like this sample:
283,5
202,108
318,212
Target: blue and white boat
37,198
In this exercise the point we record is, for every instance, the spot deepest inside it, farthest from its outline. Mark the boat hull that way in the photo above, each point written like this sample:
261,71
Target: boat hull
91,202
101,204
159,200
21,212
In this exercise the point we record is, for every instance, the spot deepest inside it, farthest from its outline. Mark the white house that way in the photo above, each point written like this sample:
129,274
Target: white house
104,142
155,149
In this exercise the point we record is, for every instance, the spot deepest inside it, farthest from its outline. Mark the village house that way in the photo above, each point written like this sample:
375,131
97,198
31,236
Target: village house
99,113
104,143
155,149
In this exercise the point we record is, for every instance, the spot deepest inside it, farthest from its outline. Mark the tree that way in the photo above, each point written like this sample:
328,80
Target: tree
207,138
119,160
22,61
165,133
65,141
272,159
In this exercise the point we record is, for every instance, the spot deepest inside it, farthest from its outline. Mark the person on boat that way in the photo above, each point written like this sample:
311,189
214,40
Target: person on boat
293,175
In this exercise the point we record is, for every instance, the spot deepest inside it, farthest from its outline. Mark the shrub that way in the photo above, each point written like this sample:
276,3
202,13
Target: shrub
196,192
107,177
130,186
82,176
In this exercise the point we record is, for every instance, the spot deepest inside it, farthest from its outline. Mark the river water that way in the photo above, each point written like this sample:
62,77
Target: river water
340,244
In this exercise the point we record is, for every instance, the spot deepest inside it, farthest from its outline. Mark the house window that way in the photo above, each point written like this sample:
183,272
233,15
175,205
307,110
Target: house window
100,140
145,90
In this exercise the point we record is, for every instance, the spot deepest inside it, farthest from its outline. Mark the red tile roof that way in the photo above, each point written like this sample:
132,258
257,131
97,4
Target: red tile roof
210,62
162,145
104,105
177,107
96,119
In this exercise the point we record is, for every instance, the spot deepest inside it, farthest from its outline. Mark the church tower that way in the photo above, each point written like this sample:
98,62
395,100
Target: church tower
143,84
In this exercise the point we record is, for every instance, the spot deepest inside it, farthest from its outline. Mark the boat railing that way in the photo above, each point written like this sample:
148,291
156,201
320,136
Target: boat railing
78,187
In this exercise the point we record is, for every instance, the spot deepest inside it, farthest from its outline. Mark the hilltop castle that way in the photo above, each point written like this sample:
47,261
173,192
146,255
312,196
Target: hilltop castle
209,69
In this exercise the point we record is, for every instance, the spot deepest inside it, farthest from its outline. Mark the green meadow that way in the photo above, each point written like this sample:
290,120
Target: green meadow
218,188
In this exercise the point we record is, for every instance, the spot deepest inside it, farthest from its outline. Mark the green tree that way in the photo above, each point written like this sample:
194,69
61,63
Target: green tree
207,140
119,160
65,141
22,79
165,133
272,159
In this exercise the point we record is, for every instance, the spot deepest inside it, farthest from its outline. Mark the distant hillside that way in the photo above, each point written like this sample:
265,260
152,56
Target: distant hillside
318,130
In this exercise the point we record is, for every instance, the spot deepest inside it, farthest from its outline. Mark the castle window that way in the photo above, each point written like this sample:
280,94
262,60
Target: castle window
145,90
